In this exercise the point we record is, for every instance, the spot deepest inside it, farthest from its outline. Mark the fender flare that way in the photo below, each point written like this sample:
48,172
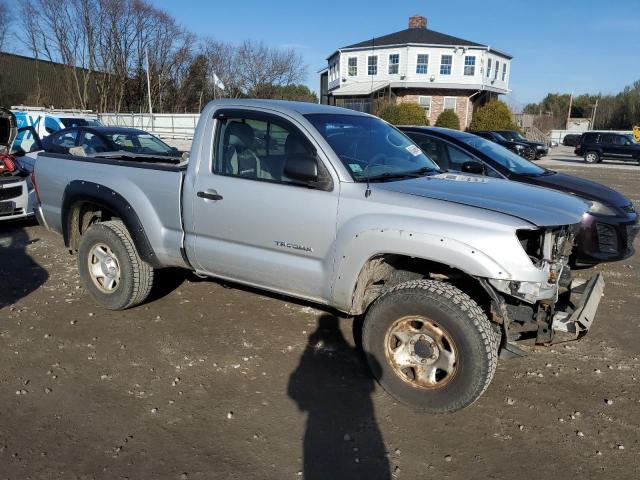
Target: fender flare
355,255
80,191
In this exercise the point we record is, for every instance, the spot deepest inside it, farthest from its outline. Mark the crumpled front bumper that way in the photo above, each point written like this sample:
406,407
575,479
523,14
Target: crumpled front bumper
576,309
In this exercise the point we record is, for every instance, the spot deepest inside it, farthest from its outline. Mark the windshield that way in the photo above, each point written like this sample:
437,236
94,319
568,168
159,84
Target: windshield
500,137
513,162
369,147
137,142
513,136
631,138
70,122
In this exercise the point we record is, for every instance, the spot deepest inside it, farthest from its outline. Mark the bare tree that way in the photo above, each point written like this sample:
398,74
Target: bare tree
5,22
103,51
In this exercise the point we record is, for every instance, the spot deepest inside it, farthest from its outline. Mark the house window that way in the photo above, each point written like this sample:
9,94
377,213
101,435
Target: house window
488,68
504,72
450,103
445,64
497,70
425,102
394,63
469,65
353,66
423,64
372,65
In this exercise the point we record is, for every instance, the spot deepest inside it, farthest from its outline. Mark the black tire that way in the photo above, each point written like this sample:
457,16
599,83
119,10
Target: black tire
475,343
591,156
136,276
530,154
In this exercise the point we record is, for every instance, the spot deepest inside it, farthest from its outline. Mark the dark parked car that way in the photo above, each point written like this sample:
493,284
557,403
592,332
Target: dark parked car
101,141
520,148
571,139
607,230
598,146
540,148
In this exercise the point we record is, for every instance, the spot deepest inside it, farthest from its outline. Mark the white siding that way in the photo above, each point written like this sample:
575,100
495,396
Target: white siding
408,62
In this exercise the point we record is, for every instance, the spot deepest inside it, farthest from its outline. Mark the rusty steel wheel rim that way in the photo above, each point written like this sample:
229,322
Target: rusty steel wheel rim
421,352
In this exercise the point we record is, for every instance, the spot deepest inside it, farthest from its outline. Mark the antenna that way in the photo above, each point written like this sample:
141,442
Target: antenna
367,192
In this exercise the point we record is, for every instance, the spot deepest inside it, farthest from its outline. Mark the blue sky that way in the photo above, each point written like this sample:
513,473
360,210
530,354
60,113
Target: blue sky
562,45
559,46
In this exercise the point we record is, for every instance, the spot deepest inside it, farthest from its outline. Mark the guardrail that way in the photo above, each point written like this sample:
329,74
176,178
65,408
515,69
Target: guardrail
167,125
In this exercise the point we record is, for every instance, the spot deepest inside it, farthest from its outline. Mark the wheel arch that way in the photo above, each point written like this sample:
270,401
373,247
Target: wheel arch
84,203
362,275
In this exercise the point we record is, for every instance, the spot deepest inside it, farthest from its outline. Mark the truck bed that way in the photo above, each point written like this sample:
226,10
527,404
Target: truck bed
152,189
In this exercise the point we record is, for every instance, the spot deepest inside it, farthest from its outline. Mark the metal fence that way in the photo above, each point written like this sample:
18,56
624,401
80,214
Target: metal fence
167,125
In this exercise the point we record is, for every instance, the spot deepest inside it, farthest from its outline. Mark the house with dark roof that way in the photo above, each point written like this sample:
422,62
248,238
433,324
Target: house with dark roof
418,65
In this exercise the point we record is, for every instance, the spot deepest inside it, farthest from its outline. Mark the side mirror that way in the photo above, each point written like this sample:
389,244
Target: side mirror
302,168
476,168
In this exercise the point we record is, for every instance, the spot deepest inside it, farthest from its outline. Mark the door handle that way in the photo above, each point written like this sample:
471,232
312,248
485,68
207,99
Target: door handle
209,195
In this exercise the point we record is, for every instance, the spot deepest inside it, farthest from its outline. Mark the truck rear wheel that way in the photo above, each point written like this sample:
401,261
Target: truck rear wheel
110,267
430,346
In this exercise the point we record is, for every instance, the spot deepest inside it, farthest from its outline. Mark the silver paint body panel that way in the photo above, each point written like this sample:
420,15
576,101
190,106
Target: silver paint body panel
464,222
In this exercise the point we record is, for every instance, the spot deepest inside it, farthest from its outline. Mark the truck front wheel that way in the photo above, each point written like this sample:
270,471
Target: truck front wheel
110,267
430,346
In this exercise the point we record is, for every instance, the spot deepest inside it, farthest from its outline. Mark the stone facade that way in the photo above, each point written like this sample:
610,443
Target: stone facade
464,106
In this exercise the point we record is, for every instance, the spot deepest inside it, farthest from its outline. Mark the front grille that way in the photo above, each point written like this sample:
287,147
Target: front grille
607,238
11,192
11,213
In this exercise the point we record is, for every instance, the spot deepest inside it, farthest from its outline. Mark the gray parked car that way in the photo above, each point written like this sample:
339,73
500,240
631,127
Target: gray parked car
341,209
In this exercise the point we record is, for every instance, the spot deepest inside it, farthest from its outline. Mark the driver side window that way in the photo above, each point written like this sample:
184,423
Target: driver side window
621,140
61,143
259,149
91,143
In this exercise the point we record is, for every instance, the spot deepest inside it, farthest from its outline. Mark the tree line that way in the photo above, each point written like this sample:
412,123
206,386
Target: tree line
105,47
613,112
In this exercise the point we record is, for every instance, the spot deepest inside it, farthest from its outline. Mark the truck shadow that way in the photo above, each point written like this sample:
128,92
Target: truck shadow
333,385
20,275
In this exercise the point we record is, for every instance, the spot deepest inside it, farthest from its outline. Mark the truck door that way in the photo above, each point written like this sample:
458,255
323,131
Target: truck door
254,224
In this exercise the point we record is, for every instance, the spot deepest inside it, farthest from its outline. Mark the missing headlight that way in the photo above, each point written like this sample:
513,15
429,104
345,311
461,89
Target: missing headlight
532,241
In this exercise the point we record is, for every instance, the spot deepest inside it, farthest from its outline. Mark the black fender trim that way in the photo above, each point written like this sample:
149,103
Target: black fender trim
80,191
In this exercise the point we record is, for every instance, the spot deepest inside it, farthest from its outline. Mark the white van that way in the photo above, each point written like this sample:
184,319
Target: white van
46,121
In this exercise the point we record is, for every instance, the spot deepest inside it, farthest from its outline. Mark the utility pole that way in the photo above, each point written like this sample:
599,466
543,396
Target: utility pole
593,116
149,89
569,112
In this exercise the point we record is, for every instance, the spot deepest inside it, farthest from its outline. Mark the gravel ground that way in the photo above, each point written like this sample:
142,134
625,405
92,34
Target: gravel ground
209,381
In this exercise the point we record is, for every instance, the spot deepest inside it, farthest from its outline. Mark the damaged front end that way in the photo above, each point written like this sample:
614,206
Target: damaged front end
556,309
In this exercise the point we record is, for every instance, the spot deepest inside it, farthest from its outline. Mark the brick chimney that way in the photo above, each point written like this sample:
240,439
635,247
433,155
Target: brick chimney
417,21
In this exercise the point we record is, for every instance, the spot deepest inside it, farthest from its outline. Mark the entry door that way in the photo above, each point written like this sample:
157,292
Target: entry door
253,224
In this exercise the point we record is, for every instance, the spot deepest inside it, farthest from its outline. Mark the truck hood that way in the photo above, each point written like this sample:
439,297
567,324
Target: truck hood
539,206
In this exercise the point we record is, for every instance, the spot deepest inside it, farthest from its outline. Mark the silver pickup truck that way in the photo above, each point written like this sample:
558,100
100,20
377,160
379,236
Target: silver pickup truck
341,209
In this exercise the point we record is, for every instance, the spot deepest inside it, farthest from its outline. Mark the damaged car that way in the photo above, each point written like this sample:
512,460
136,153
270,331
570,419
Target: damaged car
444,271
16,195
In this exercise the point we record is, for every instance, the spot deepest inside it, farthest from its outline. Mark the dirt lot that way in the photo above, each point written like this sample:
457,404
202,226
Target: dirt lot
208,381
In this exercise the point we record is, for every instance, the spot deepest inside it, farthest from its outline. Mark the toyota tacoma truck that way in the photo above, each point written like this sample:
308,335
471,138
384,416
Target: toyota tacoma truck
341,209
